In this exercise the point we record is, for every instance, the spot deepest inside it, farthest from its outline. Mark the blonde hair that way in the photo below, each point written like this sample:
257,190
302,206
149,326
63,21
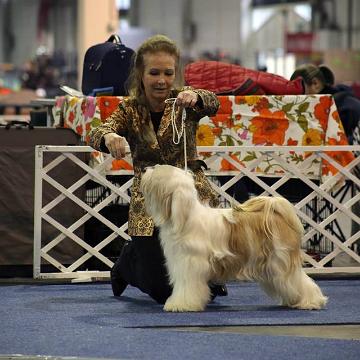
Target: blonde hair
152,45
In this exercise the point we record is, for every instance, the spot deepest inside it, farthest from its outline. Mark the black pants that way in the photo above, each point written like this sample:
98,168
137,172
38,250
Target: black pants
142,265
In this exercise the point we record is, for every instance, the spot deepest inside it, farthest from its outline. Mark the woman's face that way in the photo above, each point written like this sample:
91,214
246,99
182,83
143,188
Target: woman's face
315,87
158,78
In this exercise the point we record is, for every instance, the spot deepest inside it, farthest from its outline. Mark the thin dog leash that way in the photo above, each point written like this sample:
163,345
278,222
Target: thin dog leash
178,133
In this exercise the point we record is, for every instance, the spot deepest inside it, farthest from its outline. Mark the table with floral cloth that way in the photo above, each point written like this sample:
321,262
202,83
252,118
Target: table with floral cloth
270,120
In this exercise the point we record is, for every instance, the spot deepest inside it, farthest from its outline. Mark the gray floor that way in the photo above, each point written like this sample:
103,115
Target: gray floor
347,332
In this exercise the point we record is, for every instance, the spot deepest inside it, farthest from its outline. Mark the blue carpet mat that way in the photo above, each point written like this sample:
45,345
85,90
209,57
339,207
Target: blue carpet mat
86,320
246,304
120,343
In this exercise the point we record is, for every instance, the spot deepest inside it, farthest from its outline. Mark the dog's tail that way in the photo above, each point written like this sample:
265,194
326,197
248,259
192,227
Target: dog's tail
287,211
269,206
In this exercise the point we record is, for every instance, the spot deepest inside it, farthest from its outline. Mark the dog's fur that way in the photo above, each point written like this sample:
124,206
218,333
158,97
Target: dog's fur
258,240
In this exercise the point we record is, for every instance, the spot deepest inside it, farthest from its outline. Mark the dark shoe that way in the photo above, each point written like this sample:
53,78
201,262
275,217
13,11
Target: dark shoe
118,284
218,290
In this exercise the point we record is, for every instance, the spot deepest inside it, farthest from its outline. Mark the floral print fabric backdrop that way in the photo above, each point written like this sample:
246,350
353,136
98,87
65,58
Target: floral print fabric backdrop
288,120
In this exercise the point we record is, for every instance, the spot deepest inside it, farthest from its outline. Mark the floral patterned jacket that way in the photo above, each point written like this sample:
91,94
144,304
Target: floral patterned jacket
132,120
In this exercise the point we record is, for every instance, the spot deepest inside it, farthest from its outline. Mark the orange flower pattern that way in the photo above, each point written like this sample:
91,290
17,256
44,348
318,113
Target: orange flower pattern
121,165
341,157
278,120
269,128
322,110
227,166
241,120
108,104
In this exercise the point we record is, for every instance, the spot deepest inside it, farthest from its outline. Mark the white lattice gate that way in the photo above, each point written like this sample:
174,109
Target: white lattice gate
331,227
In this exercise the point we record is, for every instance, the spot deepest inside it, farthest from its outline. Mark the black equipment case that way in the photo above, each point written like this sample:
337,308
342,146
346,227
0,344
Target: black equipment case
107,65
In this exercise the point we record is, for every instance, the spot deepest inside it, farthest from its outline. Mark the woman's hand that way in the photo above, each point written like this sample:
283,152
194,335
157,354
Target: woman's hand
187,98
116,145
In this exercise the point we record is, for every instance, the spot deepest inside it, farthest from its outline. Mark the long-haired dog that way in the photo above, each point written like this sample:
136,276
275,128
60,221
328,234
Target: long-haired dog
258,240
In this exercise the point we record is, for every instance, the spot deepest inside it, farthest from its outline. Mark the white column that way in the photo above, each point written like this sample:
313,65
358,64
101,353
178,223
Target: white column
97,20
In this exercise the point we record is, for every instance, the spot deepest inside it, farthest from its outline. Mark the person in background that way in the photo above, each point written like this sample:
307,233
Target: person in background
321,80
144,120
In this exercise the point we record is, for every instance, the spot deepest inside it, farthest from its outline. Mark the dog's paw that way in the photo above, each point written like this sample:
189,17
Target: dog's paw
309,304
315,304
174,306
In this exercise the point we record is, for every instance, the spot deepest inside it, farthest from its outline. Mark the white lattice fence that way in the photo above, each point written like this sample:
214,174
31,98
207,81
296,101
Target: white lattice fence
319,224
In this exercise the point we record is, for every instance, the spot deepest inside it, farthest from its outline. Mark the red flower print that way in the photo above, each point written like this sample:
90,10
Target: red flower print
71,116
269,128
225,105
322,110
223,120
107,104
342,157
240,99
79,129
227,166
121,164
262,104
292,142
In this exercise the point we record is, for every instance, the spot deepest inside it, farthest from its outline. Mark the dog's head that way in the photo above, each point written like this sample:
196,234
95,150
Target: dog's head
169,194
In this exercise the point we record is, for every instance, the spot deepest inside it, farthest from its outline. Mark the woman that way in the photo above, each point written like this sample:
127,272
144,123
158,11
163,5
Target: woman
144,120
320,80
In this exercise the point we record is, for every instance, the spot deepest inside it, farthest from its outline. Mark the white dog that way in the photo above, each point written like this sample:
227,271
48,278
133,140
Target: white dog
258,240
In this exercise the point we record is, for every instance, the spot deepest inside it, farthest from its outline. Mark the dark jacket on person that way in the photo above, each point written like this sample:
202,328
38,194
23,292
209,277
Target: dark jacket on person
348,106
